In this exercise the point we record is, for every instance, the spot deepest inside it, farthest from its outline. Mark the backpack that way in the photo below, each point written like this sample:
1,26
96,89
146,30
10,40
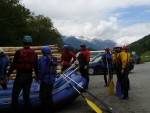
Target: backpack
51,65
26,59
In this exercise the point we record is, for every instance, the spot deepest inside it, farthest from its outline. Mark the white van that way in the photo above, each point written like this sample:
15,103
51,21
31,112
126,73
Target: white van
95,53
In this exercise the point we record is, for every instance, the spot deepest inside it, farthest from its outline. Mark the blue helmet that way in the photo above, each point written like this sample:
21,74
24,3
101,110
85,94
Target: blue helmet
27,38
66,47
46,49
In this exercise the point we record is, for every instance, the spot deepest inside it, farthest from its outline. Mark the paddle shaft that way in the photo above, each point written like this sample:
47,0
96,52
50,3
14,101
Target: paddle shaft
91,104
101,101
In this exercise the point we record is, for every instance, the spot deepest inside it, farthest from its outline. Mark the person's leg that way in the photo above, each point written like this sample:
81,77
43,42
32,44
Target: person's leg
105,77
26,92
126,83
110,75
41,95
15,95
48,98
84,73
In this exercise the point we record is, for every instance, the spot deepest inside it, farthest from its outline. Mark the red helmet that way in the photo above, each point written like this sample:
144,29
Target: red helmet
106,49
124,47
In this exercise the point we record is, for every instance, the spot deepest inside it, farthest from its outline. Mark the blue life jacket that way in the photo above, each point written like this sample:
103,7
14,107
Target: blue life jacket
107,58
47,65
3,66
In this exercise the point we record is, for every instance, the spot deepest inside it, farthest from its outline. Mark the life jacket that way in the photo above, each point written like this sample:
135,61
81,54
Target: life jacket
84,57
124,56
66,56
109,59
47,65
26,59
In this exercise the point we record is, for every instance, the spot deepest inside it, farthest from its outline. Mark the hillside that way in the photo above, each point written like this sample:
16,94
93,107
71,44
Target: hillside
141,45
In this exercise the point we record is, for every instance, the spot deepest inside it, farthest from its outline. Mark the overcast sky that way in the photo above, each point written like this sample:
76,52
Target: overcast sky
123,21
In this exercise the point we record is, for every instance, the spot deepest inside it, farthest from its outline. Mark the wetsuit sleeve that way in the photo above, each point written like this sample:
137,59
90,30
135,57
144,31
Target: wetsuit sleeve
36,67
73,56
87,56
13,64
39,69
61,58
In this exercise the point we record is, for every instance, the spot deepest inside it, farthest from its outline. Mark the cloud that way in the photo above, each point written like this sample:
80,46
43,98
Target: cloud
93,18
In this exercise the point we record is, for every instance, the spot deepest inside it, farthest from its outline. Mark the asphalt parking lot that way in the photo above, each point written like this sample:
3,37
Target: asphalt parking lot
139,94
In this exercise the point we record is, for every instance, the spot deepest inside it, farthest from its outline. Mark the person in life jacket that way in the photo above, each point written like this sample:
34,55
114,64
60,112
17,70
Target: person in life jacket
83,59
67,58
24,61
47,65
124,57
3,66
107,66
116,61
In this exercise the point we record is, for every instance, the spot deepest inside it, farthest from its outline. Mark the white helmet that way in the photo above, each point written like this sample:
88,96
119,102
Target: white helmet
1,50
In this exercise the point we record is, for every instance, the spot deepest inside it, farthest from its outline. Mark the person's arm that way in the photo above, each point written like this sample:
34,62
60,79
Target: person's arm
61,58
87,56
41,68
36,67
13,64
73,56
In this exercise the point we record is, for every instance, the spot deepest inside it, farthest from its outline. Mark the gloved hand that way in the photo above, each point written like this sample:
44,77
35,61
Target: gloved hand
85,67
122,71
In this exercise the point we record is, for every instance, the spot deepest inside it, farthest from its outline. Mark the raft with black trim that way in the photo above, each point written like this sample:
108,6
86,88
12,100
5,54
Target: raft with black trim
63,92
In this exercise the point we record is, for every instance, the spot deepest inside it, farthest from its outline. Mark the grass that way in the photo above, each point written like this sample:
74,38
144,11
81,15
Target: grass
145,57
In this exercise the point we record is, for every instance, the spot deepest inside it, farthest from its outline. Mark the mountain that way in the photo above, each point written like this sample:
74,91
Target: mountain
140,46
94,44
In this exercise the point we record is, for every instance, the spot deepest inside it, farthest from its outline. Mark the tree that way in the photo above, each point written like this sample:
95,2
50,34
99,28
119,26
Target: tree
13,24
42,31
17,21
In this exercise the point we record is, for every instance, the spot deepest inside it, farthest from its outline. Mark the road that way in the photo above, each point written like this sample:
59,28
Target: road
139,94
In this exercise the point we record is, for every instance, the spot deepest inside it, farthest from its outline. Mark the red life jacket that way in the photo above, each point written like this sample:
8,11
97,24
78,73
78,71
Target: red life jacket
26,59
66,56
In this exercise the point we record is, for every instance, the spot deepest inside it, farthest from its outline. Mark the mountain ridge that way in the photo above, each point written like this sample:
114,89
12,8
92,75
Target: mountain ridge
95,44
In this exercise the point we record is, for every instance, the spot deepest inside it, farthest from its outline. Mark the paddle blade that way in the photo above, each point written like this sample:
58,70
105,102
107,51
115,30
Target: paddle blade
118,89
93,106
111,88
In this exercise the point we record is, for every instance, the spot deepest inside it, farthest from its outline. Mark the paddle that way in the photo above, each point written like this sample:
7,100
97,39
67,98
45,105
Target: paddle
61,80
111,83
101,101
90,103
